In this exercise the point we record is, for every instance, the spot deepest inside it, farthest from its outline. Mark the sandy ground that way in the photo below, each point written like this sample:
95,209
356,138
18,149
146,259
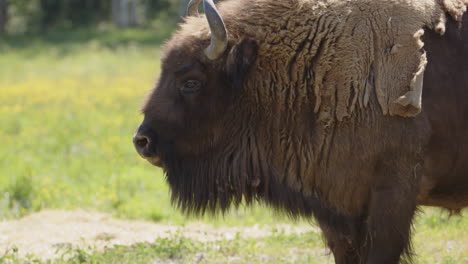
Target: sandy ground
44,234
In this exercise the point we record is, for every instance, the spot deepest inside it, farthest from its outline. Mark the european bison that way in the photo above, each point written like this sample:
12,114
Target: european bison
317,108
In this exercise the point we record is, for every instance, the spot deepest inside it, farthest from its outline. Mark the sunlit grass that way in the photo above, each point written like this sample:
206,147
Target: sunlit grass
277,248
67,123
67,115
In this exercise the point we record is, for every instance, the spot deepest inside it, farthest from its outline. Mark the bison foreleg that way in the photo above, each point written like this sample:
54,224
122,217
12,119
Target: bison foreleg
344,234
345,247
390,212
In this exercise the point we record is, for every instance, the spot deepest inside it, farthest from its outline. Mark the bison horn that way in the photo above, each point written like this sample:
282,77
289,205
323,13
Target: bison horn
192,9
218,31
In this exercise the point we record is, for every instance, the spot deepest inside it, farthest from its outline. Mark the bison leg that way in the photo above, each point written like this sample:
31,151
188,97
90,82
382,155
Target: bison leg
345,248
343,234
390,213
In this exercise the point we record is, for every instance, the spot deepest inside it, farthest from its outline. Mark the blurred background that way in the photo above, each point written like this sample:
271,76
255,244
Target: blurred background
73,76
20,16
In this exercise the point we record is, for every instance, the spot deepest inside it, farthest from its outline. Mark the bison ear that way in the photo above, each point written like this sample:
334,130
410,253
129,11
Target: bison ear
241,57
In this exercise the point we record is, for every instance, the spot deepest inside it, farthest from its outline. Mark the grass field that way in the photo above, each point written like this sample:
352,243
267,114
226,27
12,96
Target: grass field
69,104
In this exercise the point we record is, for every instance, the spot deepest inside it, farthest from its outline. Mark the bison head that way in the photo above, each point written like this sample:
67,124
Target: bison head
197,125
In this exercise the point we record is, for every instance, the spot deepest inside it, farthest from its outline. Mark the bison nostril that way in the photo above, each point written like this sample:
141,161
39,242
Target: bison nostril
144,141
140,141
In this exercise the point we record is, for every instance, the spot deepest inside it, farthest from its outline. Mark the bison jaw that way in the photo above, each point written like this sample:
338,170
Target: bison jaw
156,161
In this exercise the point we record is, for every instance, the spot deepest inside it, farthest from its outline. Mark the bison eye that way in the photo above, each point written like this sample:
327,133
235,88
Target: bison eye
191,86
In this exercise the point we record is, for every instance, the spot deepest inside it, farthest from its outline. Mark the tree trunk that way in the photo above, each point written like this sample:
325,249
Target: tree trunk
182,8
125,13
133,13
3,15
120,13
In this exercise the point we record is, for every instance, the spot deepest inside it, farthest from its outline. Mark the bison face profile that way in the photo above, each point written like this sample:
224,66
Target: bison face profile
193,119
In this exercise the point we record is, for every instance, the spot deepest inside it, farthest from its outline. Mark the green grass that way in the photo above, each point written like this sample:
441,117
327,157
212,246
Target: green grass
278,248
69,105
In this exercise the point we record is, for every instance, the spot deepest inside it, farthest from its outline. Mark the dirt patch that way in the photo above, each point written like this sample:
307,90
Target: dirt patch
45,233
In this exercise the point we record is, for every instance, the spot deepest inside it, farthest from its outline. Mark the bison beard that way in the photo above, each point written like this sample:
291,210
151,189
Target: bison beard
213,183
323,117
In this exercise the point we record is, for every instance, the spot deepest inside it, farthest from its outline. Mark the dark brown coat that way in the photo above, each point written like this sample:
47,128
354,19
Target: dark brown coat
315,109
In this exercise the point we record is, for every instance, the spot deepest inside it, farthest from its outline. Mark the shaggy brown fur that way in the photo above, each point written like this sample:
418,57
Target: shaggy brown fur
304,111
352,33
